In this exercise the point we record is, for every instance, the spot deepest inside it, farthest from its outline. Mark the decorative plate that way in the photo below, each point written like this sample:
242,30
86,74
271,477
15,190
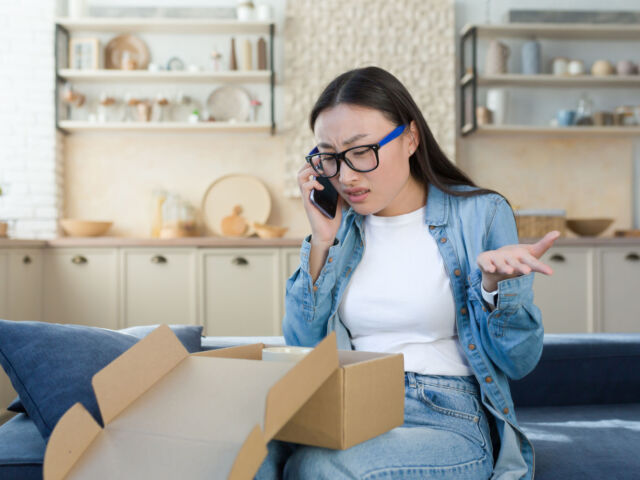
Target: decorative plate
115,49
229,103
231,190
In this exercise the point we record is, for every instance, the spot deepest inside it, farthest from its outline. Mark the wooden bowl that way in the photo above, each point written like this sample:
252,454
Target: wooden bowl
269,231
588,227
84,228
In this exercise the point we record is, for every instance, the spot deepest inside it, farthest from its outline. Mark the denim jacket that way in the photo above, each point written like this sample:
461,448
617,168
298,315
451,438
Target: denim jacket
499,344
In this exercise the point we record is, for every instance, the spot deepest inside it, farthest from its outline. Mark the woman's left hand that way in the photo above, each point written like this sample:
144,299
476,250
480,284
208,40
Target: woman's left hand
514,260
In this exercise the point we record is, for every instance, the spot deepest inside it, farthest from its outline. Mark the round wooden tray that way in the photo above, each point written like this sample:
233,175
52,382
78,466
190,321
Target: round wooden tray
231,190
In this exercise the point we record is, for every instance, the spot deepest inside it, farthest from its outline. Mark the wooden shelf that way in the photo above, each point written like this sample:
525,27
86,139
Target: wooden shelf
254,76
558,31
547,80
78,126
163,25
532,129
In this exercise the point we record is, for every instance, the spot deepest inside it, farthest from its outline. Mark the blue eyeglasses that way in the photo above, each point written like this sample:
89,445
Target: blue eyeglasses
363,158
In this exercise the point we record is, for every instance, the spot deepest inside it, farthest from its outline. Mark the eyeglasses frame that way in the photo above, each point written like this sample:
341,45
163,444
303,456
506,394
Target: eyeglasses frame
342,155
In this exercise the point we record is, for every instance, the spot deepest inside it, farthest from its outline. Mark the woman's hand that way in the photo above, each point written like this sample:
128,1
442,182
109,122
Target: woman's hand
323,229
514,260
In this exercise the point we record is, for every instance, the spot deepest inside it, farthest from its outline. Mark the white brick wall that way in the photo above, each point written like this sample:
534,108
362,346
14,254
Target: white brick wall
31,166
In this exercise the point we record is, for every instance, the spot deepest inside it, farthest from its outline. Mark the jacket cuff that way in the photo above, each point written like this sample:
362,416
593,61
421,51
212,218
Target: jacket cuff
512,292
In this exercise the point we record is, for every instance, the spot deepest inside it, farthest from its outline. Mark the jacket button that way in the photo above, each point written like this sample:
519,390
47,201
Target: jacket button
484,309
463,310
457,272
505,410
443,240
488,379
330,259
432,227
315,288
472,346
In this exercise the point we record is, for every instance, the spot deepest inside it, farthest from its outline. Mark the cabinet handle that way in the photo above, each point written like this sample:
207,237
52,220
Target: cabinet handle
632,257
557,258
240,261
79,260
26,259
157,259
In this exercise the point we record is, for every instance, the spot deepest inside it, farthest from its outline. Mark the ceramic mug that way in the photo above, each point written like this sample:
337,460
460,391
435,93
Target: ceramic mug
566,117
497,102
559,66
626,67
484,116
575,67
284,354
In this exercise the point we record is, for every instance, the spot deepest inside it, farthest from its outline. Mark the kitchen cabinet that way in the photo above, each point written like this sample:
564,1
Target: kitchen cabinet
620,275
21,284
81,286
4,277
6,391
25,269
566,298
158,286
240,291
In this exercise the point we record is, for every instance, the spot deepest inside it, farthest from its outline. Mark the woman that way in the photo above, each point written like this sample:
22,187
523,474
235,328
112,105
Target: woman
419,261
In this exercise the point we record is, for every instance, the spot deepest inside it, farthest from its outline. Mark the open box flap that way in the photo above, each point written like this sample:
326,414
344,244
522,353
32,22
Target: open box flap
249,352
136,370
69,440
289,395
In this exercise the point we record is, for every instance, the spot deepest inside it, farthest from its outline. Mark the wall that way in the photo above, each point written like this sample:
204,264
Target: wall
30,155
587,176
112,176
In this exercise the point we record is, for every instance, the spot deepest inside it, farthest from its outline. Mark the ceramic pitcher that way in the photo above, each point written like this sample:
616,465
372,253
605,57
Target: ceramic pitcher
497,56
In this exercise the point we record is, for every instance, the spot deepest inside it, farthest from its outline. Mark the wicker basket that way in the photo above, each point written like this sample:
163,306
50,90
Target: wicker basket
537,223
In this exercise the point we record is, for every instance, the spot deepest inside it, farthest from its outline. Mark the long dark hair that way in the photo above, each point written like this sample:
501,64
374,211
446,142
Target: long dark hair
376,88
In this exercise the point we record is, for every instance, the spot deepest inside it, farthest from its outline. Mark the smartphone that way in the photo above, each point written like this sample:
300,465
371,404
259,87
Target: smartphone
325,200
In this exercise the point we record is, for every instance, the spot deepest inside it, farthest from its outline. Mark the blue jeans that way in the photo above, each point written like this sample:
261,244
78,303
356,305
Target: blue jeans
445,435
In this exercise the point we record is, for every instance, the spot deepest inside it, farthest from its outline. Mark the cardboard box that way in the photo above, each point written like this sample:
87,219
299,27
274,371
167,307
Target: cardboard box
168,414
361,400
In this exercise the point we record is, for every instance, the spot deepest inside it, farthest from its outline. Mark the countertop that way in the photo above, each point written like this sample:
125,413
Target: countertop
254,242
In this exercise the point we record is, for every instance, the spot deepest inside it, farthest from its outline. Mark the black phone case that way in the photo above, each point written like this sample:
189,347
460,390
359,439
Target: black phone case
325,200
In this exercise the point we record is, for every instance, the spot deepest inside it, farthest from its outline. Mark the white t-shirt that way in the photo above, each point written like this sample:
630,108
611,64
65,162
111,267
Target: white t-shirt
399,298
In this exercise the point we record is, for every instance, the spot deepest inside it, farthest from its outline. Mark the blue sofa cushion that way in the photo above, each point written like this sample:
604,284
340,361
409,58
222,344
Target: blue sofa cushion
572,365
21,450
51,365
189,335
586,441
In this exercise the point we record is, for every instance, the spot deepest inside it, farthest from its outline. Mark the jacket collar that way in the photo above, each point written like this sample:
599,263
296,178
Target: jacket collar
437,209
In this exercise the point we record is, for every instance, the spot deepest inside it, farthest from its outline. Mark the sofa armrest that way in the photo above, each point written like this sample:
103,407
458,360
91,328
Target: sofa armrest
582,369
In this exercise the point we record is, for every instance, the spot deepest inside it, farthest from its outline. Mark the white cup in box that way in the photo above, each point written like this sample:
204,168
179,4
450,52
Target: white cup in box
284,354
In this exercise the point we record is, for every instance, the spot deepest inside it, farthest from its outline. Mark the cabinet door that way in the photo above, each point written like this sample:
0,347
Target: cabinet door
158,286
81,286
25,287
7,393
240,291
566,297
4,290
620,275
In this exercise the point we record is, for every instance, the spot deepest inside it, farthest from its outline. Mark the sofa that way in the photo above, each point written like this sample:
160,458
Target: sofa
580,407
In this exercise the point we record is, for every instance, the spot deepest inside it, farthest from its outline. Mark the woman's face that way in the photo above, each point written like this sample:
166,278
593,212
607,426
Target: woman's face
389,189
